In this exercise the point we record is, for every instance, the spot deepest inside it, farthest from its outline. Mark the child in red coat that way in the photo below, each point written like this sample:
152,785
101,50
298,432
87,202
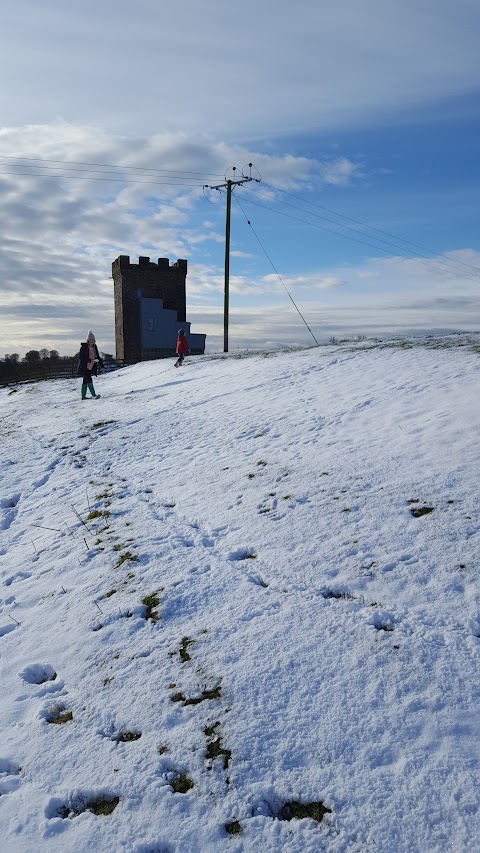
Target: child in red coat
182,348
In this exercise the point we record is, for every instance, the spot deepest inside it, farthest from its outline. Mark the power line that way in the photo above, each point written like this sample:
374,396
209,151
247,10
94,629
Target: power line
364,225
365,243
138,174
276,271
123,180
109,166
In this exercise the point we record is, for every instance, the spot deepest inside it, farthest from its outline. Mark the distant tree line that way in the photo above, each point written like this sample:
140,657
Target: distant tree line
40,364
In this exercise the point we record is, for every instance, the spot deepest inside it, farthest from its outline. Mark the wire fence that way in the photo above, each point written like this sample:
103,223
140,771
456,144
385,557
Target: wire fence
19,372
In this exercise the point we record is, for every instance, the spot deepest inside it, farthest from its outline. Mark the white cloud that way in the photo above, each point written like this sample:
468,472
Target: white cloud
64,224
313,281
59,237
239,72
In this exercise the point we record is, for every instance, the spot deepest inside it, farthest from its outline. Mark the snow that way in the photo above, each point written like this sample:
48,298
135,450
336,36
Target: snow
314,641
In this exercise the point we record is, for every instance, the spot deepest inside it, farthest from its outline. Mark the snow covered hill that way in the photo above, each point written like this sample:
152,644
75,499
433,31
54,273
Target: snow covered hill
239,605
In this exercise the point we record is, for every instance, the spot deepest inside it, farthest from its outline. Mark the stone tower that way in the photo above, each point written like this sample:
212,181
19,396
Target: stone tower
150,303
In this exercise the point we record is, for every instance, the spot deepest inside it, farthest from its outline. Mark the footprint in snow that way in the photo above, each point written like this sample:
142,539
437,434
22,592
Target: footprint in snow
7,629
383,621
18,576
9,776
41,482
9,511
242,554
38,673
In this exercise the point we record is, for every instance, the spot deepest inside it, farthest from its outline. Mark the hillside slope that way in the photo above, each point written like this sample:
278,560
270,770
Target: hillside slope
241,585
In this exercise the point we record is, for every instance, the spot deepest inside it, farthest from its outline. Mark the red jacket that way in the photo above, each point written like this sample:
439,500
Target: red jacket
182,345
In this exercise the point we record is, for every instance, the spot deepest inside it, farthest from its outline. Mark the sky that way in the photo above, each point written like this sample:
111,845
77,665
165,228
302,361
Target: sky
243,584
361,122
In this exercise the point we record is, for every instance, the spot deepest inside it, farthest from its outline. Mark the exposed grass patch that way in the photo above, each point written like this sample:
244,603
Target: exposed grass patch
127,737
178,697
110,593
181,784
418,511
151,602
293,810
384,626
234,827
336,593
205,695
102,805
97,513
100,424
214,746
183,649
59,717
99,806
127,556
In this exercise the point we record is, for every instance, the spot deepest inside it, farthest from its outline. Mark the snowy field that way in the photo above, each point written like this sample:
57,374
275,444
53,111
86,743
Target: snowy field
239,605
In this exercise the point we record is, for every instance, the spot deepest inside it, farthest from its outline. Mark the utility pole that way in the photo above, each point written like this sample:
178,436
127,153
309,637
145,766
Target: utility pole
226,300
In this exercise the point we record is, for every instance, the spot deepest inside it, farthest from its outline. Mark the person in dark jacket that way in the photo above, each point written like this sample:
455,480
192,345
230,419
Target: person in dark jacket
88,363
182,347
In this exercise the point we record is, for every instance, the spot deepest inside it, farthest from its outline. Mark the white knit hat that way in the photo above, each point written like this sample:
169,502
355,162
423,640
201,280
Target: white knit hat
90,335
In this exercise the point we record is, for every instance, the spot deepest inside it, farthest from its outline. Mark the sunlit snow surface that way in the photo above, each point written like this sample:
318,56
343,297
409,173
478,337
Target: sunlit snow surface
316,637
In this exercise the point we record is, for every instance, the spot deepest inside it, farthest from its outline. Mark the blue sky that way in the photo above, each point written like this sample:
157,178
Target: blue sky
371,110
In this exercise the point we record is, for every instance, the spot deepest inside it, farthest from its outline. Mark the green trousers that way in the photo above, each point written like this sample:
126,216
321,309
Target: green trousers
90,388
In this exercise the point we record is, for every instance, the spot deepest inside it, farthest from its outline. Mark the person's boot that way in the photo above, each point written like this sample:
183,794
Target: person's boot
84,391
92,390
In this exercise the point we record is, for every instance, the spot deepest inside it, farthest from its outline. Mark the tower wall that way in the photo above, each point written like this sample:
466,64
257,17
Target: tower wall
145,280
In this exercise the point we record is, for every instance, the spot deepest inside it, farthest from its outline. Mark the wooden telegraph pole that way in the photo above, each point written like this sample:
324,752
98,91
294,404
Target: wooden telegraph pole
226,300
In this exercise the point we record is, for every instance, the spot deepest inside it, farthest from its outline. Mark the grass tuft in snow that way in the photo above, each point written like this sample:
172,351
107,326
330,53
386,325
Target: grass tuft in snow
214,746
183,649
96,513
181,784
234,827
127,737
293,810
127,556
98,806
151,602
205,695
59,716
336,593
418,511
